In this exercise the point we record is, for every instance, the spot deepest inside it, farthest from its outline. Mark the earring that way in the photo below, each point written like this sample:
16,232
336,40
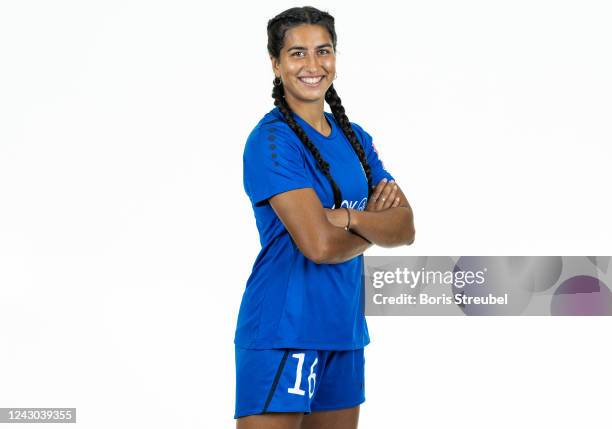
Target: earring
277,81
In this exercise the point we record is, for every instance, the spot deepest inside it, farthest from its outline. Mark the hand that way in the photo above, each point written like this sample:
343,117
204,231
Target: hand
337,217
384,196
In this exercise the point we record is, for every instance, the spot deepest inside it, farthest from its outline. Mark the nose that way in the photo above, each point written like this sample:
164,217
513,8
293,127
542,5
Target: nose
312,64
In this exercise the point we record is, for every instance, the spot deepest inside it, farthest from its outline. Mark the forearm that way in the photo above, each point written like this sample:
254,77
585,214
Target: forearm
387,228
341,245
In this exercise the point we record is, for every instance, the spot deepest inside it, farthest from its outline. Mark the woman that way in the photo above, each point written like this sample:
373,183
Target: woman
321,197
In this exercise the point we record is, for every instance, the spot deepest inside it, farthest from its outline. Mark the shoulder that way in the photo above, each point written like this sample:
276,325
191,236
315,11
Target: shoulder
362,135
366,141
357,127
272,133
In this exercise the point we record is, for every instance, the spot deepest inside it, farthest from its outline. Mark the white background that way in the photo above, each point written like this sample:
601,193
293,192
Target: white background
126,237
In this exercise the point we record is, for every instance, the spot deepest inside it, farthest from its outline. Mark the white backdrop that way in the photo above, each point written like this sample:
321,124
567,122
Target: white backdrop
126,237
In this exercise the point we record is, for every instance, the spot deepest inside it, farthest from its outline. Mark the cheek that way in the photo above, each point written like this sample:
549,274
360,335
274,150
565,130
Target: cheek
329,64
293,69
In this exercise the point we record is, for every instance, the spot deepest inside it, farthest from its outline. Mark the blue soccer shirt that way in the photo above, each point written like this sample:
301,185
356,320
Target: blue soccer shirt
290,301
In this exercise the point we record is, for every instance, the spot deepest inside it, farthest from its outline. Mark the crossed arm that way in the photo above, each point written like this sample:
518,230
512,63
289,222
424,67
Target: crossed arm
319,232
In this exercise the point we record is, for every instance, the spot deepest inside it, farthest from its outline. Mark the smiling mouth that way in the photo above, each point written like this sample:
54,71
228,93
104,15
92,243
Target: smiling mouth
311,81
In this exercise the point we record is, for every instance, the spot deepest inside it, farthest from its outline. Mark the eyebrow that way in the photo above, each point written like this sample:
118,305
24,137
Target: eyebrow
301,48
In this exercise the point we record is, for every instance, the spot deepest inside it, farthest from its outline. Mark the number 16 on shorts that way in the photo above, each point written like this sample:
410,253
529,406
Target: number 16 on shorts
312,377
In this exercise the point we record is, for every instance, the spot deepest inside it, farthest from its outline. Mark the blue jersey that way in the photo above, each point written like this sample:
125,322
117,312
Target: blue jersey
289,300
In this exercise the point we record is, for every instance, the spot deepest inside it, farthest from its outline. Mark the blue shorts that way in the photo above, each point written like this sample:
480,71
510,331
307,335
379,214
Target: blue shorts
298,380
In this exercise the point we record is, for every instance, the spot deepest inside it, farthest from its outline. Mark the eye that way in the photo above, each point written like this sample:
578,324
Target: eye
324,51
297,54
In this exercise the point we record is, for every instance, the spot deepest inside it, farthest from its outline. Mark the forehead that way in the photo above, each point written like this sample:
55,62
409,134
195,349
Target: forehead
306,35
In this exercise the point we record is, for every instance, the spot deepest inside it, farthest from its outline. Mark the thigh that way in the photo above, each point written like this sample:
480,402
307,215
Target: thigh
342,384
346,418
270,421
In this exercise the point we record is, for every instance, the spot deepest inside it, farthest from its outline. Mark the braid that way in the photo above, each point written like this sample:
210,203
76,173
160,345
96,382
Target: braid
332,98
278,93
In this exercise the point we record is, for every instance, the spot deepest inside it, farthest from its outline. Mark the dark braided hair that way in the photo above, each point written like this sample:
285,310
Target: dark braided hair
277,27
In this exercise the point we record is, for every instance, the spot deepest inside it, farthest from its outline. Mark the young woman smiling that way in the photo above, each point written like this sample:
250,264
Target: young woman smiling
321,196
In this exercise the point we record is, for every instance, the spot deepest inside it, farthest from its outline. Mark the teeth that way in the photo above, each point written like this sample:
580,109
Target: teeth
311,80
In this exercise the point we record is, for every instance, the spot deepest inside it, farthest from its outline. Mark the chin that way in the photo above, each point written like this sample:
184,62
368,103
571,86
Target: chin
312,99
311,96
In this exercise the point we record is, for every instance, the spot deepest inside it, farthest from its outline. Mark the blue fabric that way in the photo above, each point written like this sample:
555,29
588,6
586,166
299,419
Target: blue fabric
306,380
290,301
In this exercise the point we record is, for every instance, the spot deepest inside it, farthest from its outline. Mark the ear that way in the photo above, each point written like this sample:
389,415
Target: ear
275,66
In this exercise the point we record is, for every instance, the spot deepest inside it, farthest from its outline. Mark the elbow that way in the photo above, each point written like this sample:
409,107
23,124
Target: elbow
318,258
411,238
409,235
404,237
409,230
317,251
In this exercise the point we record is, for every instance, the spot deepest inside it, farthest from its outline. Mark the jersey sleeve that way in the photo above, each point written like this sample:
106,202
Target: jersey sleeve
377,167
272,164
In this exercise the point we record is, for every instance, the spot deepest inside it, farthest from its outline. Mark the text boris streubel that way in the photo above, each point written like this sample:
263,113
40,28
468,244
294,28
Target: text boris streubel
422,278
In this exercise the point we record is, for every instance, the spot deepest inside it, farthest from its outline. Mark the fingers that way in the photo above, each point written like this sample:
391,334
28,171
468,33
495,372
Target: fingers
376,194
392,198
387,196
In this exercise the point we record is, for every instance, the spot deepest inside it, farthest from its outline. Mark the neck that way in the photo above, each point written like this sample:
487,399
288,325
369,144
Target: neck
311,112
